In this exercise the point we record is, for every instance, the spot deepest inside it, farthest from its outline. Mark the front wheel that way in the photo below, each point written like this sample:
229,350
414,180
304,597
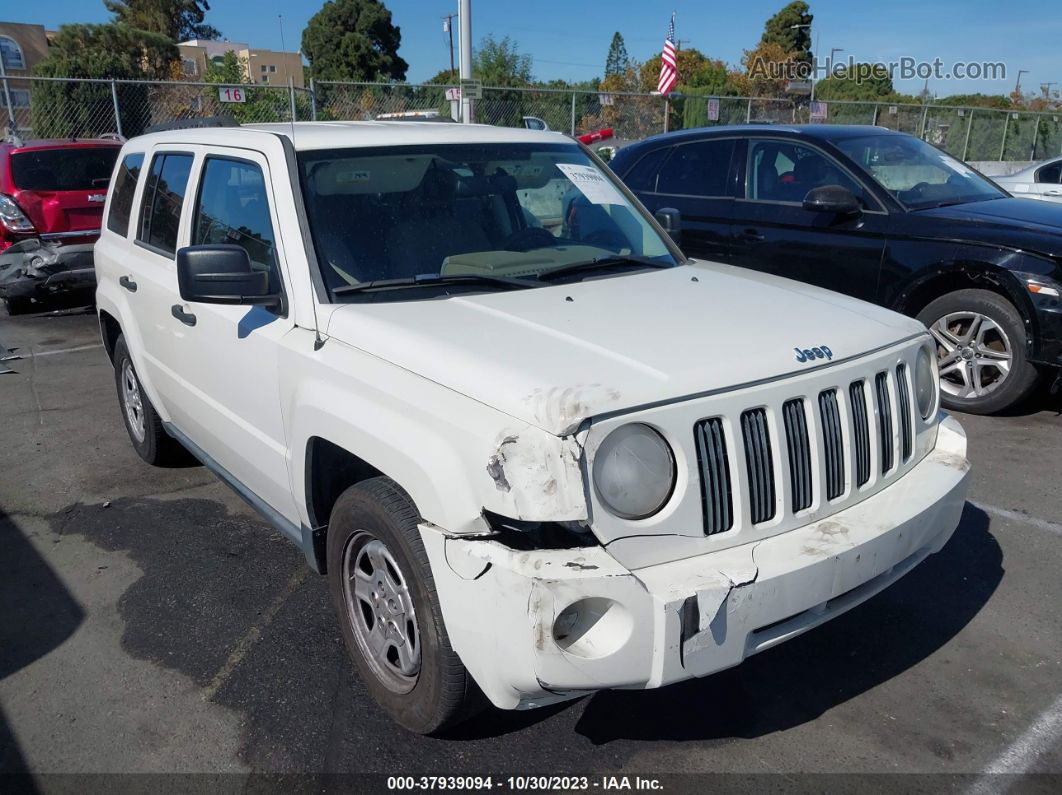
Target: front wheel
980,340
384,594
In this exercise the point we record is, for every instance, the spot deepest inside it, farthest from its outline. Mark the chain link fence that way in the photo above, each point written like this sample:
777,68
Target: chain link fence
62,108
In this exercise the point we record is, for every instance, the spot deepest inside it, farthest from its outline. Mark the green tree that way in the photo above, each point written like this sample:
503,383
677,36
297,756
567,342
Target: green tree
353,40
262,103
617,61
499,62
780,30
178,20
863,82
66,109
447,77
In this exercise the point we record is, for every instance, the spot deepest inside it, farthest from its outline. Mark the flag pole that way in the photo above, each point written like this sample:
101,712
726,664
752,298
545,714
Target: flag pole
667,110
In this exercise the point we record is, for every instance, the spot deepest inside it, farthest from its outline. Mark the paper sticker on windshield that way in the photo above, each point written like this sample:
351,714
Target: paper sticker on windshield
592,184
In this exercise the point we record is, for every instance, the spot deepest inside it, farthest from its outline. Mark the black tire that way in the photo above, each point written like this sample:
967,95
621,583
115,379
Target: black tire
18,306
1022,377
156,447
442,692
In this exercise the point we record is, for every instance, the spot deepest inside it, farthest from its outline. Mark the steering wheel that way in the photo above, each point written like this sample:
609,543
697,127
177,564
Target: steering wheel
918,189
529,238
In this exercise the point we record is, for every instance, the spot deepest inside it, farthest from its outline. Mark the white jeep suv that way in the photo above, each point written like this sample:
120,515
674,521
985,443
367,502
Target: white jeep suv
536,451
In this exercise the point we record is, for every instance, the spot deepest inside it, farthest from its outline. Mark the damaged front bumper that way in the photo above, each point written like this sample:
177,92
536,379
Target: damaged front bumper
534,627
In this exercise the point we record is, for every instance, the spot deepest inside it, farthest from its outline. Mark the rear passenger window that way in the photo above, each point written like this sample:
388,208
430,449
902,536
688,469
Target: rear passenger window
643,176
122,193
233,208
697,169
160,211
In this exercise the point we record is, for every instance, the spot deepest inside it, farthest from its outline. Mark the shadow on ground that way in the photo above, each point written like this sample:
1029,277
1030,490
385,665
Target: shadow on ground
209,577
37,614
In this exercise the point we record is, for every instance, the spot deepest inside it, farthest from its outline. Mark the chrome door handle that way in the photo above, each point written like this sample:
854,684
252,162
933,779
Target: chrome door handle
185,317
127,283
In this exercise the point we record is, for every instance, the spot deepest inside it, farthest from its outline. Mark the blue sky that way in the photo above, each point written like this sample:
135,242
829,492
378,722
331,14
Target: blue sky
569,39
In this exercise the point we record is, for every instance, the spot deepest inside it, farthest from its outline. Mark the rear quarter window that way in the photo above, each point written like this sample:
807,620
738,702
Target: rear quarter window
75,168
122,193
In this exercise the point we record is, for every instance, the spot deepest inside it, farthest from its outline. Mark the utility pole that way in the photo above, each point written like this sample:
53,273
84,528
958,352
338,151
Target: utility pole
1046,88
465,12
280,21
448,27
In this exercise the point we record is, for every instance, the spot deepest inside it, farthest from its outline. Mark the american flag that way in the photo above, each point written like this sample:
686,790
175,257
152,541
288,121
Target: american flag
668,64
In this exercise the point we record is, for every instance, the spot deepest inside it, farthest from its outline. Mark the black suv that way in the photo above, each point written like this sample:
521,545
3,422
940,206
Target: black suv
878,215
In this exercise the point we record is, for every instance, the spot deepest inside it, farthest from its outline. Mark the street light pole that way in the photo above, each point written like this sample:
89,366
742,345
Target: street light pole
1017,86
464,10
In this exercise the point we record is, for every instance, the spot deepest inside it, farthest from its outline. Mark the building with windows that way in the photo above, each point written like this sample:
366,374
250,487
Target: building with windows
264,67
21,48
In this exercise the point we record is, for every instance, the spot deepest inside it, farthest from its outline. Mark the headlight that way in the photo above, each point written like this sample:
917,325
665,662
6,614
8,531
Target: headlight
634,471
925,383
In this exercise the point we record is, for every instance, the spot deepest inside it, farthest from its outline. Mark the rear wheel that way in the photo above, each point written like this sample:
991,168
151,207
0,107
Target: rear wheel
146,432
980,340
384,593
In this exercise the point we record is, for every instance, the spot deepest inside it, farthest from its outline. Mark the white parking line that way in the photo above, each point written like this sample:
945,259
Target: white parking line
1017,516
253,634
67,350
1022,753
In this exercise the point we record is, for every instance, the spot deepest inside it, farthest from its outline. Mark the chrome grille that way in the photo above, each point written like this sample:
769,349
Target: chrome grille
715,476
881,386
759,464
796,438
860,431
832,443
906,434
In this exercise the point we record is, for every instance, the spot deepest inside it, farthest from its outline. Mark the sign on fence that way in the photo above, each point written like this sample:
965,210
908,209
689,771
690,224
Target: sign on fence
471,89
453,94
713,109
818,110
232,94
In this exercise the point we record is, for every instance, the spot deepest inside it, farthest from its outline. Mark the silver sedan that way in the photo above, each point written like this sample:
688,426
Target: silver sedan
1042,181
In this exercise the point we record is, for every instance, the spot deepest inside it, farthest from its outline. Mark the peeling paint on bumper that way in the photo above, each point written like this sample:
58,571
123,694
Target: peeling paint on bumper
686,618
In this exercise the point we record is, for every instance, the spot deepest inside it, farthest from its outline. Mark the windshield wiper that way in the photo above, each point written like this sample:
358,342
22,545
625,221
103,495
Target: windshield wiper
601,263
435,280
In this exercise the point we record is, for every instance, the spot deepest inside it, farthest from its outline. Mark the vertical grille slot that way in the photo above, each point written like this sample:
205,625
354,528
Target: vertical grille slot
860,431
906,438
796,438
715,476
884,420
832,443
759,464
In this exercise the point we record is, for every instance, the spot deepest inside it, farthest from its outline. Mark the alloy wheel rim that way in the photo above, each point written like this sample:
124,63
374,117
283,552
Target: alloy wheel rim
133,402
974,354
381,612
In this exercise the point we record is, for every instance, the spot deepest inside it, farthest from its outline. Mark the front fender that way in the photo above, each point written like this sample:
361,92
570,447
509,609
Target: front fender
455,456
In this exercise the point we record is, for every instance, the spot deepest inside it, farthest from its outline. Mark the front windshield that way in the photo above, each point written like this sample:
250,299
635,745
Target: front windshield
461,210
917,174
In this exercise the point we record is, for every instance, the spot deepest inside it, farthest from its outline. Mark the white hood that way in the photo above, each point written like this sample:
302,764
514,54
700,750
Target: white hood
554,356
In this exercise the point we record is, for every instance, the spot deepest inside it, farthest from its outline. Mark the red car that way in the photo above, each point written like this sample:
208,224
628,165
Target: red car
51,207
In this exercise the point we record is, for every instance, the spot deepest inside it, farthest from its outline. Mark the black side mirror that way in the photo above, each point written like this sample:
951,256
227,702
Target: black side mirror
671,220
832,199
222,274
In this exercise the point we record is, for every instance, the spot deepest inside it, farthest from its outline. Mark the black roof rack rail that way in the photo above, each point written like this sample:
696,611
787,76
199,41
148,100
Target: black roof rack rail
191,124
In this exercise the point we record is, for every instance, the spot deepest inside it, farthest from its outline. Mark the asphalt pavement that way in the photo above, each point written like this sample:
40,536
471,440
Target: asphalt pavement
151,622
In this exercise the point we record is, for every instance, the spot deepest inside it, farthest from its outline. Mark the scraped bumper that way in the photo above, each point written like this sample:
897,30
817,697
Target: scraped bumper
535,627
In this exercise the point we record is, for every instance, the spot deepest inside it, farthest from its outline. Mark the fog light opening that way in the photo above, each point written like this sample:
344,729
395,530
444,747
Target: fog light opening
592,627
